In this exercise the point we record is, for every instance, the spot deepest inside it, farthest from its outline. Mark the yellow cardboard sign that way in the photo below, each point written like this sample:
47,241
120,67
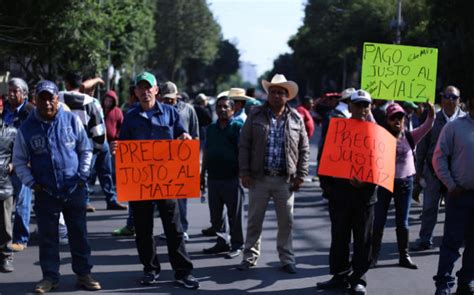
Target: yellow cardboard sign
398,72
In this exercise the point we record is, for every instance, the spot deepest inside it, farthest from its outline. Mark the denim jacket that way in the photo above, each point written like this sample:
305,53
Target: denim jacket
59,152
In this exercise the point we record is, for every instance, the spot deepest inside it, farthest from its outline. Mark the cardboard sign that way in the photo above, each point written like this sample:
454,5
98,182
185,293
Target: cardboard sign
157,169
396,72
359,149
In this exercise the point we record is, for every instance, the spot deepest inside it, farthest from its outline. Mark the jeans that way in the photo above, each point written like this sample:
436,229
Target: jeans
402,191
102,162
21,225
458,230
47,210
431,198
145,241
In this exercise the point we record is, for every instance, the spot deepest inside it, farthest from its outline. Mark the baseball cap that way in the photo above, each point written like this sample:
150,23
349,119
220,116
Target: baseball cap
146,76
360,96
48,86
168,89
394,108
346,93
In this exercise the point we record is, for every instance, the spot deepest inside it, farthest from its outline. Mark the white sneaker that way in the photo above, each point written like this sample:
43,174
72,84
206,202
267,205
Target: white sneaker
185,236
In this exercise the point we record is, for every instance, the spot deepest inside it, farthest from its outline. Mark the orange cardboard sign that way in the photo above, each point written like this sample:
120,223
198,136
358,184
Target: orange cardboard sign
359,149
157,169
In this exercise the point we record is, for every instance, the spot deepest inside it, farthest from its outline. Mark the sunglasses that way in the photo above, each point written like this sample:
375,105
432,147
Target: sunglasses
451,96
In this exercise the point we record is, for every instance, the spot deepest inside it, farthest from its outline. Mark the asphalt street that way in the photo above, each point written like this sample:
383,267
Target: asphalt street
118,269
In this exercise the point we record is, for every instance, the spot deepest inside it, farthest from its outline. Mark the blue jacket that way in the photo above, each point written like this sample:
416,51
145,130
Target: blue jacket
163,123
59,152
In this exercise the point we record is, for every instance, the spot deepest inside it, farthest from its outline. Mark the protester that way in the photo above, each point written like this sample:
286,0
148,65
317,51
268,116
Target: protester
453,160
351,209
7,137
131,101
341,110
240,99
113,115
102,167
273,162
162,122
15,113
403,187
220,161
90,115
204,116
304,109
433,187
52,155
169,95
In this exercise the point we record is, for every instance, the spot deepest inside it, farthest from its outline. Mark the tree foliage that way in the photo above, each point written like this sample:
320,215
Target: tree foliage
184,30
328,46
50,37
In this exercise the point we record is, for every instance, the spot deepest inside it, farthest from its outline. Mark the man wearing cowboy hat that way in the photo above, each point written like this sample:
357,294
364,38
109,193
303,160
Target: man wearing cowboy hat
239,98
273,162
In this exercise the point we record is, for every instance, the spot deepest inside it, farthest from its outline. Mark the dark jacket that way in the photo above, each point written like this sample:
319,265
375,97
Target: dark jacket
254,138
7,138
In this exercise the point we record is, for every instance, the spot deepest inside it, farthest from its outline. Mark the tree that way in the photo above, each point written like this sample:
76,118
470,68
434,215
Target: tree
184,30
50,37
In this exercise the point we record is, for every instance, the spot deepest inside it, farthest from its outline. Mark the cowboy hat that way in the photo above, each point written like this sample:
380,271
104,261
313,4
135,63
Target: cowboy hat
223,93
238,94
280,81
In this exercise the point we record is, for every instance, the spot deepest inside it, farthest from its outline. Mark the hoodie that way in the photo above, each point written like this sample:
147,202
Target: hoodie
113,116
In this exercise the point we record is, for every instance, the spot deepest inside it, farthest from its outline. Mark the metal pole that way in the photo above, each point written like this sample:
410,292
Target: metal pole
398,39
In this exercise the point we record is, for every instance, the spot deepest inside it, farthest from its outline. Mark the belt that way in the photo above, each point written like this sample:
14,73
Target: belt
274,172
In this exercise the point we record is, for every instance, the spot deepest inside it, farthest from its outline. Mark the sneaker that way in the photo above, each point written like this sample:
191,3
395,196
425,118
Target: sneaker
88,283
124,232
162,236
150,278
188,281
17,247
90,208
6,265
234,253
358,289
116,206
45,286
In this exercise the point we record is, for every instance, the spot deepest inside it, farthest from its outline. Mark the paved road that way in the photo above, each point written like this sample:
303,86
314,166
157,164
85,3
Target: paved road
117,267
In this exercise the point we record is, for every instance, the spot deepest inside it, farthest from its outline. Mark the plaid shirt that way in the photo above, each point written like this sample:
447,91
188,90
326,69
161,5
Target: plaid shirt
275,159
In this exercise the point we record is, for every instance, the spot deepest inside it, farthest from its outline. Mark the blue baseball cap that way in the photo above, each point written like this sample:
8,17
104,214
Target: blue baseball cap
48,86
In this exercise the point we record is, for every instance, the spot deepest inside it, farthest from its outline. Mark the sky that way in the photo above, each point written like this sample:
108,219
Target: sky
259,28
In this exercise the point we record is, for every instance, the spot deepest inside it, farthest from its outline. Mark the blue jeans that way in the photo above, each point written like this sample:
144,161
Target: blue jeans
431,199
23,196
47,210
458,230
402,191
102,162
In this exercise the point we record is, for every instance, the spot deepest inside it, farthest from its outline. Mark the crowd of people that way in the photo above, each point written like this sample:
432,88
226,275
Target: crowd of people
55,144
